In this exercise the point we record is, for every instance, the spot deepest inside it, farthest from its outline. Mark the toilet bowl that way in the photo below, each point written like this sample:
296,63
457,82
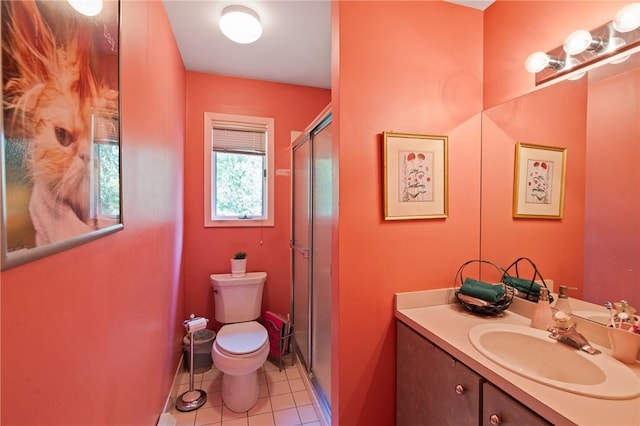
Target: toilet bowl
242,344
238,351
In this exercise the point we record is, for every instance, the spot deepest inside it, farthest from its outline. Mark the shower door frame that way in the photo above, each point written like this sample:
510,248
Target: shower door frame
306,354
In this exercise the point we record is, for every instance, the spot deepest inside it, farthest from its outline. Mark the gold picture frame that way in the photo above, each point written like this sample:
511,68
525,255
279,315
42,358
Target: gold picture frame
539,181
415,176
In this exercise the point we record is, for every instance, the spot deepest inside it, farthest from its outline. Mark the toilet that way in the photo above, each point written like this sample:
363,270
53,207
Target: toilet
242,344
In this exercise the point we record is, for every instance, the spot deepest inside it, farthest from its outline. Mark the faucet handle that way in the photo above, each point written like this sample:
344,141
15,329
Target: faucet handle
563,321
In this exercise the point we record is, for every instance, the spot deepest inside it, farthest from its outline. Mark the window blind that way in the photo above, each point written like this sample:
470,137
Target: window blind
238,137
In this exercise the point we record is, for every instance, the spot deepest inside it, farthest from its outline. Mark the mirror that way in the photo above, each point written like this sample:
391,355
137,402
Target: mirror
595,246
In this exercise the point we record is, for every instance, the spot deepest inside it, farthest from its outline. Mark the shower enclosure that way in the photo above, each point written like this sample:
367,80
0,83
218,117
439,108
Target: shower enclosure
313,189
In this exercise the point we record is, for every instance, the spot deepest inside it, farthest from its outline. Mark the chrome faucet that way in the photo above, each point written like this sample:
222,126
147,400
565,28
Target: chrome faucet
571,337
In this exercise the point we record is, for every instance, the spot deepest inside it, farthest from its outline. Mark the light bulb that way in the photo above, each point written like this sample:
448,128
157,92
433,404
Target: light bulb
581,40
87,7
536,62
240,24
628,18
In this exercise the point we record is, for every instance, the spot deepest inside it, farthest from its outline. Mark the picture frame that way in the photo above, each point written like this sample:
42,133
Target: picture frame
415,176
61,180
539,181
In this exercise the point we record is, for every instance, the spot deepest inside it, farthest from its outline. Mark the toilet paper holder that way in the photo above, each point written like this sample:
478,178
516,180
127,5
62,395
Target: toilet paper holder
193,398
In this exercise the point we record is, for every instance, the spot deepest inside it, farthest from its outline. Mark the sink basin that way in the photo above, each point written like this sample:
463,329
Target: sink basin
533,354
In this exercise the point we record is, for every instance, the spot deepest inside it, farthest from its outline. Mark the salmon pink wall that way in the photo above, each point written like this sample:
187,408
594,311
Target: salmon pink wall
613,179
402,67
208,250
91,335
554,245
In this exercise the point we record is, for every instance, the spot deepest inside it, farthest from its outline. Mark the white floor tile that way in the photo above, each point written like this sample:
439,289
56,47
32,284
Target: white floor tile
265,419
275,376
208,416
296,385
287,417
307,414
282,402
302,398
236,422
278,388
184,418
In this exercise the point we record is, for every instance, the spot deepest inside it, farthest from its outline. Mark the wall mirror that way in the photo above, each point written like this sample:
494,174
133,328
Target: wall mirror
595,246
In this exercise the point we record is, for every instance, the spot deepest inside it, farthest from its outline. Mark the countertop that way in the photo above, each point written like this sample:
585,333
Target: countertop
435,315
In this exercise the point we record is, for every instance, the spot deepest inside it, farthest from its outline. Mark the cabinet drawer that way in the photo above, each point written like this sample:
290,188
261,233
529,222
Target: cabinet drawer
498,408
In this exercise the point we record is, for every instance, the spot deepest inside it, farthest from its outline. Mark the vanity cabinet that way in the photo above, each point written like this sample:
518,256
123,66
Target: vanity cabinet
433,388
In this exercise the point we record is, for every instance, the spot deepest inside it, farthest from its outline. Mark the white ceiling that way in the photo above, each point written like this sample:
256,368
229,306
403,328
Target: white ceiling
295,46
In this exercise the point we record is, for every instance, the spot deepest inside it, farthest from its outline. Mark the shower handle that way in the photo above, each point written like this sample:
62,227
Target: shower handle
305,252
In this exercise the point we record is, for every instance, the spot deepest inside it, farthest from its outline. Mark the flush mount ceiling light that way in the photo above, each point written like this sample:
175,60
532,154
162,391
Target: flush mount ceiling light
538,61
628,18
581,40
87,7
240,24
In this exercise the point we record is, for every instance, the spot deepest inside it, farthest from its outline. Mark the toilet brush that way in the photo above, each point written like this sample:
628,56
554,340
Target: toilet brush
193,398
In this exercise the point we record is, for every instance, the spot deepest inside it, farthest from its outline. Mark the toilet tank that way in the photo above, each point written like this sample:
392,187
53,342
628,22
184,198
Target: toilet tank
237,299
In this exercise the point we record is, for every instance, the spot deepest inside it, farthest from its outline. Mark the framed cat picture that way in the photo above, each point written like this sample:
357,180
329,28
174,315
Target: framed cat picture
61,173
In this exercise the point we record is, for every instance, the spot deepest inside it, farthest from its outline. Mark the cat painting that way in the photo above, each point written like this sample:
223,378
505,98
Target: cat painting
55,84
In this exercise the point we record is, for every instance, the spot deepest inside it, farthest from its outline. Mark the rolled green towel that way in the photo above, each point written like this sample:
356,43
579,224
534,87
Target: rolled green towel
480,290
523,285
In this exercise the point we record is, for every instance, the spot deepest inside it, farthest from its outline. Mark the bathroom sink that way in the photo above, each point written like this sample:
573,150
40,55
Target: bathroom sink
533,354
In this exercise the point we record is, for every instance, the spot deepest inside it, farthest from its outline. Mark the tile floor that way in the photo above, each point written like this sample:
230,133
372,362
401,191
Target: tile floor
284,400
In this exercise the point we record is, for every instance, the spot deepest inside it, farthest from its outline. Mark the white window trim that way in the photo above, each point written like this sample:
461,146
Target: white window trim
209,117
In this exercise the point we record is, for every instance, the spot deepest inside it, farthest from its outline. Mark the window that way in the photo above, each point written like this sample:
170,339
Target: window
105,171
238,161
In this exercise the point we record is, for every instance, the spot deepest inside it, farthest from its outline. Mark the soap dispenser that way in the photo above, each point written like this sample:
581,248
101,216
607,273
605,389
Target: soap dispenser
542,314
563,300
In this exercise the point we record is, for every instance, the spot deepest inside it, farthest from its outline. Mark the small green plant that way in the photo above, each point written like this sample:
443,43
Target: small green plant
240,255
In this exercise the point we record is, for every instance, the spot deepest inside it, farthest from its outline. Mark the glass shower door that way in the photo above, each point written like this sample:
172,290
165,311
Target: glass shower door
322,214
313,209
301,245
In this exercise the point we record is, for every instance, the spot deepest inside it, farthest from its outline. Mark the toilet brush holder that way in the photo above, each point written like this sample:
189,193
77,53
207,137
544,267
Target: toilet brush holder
193,398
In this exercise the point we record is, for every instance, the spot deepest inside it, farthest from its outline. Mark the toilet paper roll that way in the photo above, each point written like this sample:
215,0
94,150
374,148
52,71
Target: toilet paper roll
195,324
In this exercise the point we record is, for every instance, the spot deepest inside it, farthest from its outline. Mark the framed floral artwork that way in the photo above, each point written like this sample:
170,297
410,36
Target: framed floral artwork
415,176
538,189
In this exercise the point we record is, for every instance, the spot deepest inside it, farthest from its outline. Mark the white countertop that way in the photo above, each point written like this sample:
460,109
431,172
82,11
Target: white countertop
434,315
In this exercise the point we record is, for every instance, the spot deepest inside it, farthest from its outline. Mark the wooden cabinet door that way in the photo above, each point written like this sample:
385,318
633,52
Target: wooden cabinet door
432,388
498,408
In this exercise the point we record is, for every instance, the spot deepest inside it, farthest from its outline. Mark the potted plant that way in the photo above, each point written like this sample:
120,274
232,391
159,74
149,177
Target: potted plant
239,264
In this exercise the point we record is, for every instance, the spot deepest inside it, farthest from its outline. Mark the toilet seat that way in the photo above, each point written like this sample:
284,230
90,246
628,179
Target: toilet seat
242,338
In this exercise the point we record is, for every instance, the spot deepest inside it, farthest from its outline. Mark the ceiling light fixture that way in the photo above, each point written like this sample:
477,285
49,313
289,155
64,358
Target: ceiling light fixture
240,24
628,18
581,40
87,7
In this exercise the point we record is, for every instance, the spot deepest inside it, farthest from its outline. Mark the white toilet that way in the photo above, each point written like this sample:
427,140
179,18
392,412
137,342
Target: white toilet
242,344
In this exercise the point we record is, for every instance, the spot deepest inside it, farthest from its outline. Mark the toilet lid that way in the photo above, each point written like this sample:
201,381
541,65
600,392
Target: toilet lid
242,337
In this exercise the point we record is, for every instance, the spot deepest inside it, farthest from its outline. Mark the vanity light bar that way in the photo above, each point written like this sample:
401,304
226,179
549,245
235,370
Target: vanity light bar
583,48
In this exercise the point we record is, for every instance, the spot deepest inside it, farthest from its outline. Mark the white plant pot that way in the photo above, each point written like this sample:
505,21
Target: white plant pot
238,267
